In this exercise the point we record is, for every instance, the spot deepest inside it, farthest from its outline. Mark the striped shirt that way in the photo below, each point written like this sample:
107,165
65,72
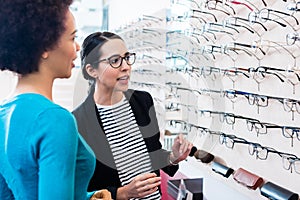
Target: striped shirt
126,142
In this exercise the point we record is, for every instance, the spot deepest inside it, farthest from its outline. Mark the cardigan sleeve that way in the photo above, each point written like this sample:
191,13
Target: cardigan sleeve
165,155
89,125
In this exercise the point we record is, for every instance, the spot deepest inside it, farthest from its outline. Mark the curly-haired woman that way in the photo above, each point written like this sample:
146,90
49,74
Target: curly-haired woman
42,155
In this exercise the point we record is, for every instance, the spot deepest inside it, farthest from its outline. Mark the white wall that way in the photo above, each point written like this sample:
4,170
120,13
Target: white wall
7,84
69,93
88,13
127,12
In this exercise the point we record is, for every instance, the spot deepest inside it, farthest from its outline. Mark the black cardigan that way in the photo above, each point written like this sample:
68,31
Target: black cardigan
90,127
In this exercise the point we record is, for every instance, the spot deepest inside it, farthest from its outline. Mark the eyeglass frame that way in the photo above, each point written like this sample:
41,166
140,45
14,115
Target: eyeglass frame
293,37
253,16
230,140
119,56
214,7
253,99
279,12
259,16
289,104
227,22
291,159
246,20
252,125
225,139
262,70
293,6
258,148
295,131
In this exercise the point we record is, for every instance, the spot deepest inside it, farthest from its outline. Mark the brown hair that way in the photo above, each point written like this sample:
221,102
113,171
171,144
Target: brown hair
90,50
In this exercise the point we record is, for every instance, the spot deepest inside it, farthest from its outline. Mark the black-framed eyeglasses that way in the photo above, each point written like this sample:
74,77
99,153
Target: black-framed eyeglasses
203,12
291,132
230,118
253,99
231,47
214,4
260,151
240,19
290,105
232,21
259,73
266,12
291,160
233,73
230,140
264,15
115,61
259,127
255,16
179,124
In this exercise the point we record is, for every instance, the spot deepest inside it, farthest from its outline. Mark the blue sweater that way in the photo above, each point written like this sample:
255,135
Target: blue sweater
42,156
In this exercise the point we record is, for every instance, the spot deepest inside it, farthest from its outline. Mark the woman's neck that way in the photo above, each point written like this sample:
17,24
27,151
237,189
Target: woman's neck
33,83
107,98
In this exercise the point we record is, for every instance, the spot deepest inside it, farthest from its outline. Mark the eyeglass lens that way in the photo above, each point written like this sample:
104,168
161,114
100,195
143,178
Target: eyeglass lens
287,163
261,153
291,105
116,61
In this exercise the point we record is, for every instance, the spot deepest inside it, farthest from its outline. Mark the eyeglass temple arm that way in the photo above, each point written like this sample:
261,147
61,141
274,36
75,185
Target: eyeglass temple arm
284,13
243,26
222,25
207,13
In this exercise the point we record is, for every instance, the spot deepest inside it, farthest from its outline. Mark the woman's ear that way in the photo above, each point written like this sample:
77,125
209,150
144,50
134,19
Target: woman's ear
45,55
91,71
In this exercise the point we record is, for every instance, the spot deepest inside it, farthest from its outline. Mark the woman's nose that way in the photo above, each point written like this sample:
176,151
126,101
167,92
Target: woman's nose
124,65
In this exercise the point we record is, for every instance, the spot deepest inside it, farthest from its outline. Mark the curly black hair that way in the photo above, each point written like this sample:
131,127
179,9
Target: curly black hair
27,29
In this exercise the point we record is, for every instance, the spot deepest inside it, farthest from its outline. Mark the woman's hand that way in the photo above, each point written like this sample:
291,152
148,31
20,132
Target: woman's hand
141,186
180,149
101,195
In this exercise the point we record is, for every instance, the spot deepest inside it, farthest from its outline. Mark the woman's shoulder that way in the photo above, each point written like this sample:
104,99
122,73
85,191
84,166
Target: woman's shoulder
139,97
138,93
36,105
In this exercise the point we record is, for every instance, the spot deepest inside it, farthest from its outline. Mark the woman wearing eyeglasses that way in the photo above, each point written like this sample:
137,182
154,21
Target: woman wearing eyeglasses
120,124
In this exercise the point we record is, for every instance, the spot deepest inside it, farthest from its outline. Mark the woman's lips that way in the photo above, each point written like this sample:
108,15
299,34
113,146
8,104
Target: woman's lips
123,79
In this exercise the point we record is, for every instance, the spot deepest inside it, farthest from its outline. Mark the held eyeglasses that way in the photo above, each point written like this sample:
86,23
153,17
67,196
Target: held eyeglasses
115,61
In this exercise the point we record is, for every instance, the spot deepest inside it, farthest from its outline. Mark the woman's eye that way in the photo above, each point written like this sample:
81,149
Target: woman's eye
75,38
114,60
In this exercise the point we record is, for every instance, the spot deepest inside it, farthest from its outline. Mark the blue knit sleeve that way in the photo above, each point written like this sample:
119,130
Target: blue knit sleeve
5,192
55,147
89,195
